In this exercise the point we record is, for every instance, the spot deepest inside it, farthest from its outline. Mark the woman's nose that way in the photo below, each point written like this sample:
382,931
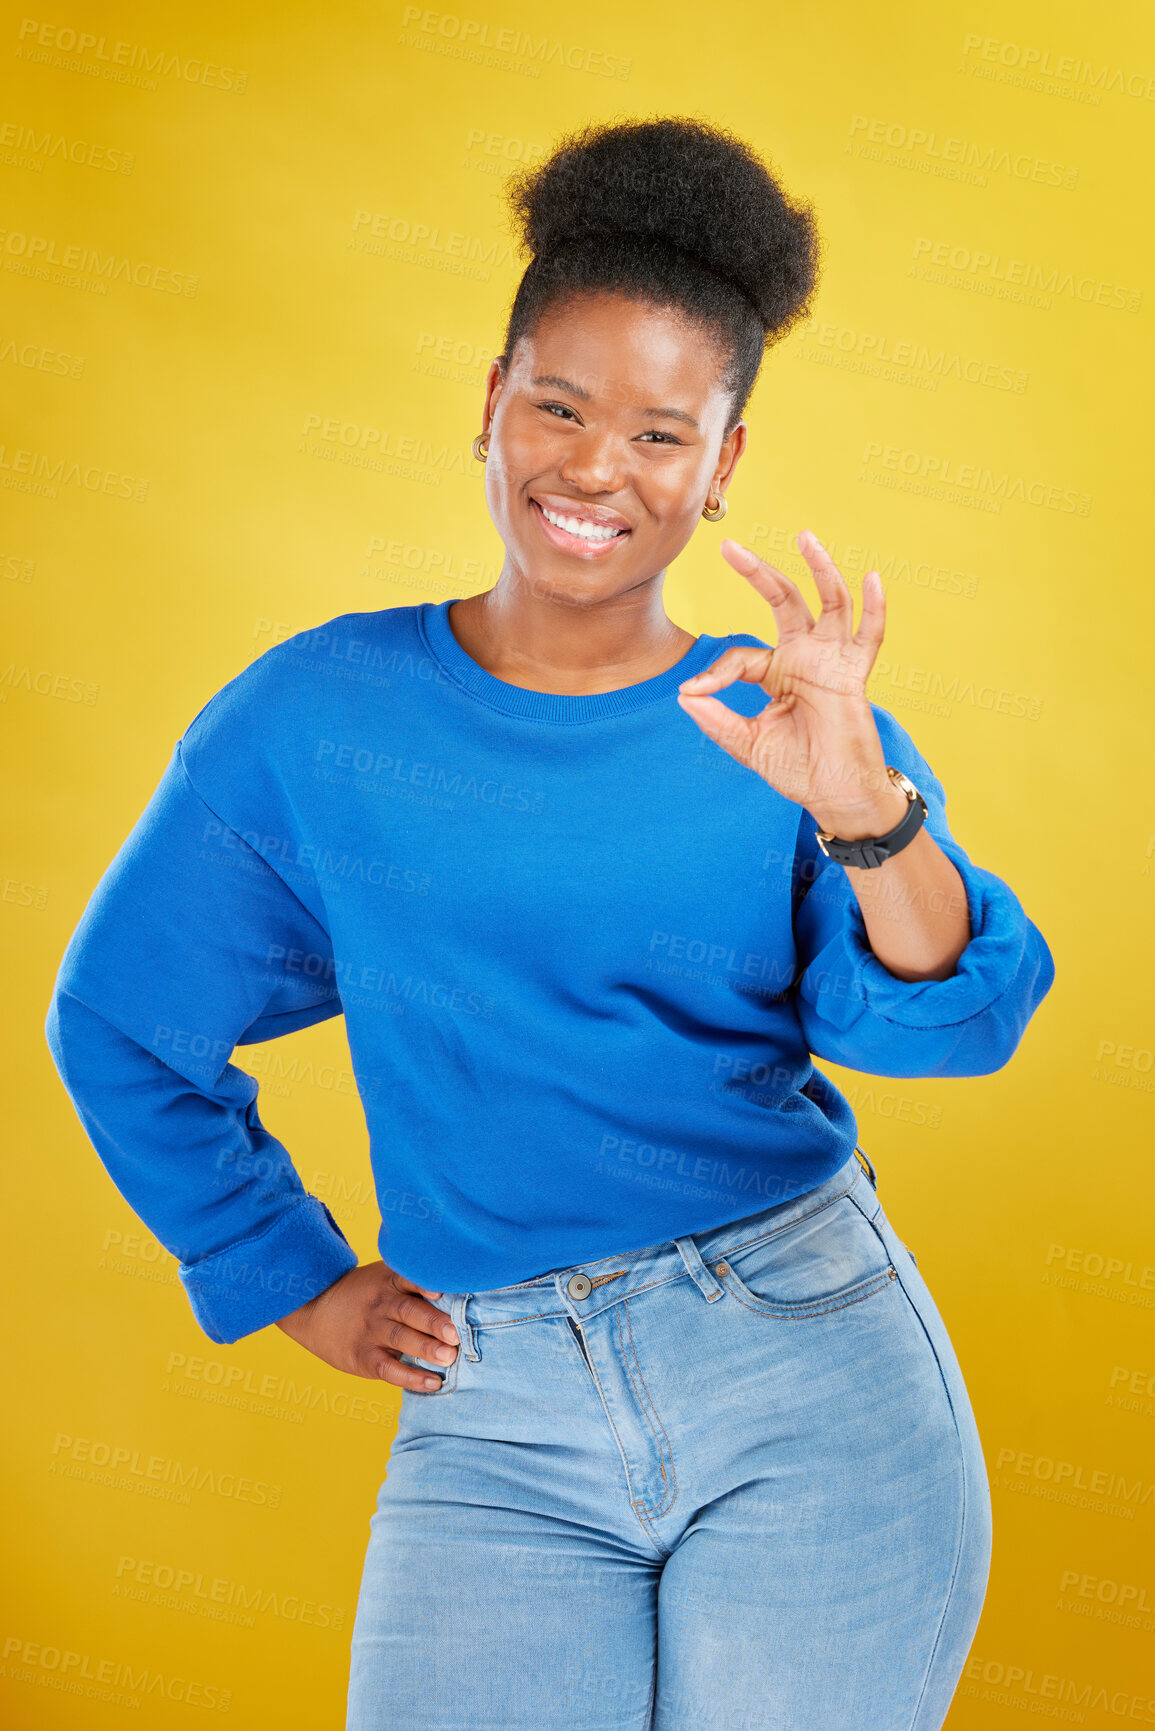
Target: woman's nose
594,464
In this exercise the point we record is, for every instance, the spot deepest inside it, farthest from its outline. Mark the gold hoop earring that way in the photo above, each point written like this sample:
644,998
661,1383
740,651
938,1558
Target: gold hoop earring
719,510
481,451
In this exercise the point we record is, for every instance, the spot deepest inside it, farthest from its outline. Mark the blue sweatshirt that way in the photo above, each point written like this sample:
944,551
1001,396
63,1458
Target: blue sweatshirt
584,960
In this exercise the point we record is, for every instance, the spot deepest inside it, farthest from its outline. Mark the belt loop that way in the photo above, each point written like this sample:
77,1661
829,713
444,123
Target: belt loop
698,1271
864,1162
465,1332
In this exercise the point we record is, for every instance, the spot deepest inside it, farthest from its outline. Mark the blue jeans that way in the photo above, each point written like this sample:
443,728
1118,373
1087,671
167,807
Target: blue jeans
727,1483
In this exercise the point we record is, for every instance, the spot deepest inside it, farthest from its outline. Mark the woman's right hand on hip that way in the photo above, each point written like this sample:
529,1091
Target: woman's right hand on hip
366,1319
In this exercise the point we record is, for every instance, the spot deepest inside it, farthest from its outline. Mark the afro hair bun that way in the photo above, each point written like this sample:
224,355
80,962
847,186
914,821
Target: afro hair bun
682,185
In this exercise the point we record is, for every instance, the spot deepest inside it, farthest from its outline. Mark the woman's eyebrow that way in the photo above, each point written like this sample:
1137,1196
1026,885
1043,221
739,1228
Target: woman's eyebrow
675,415
561,384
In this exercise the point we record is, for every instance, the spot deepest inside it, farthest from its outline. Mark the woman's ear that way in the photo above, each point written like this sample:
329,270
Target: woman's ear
494,385
731,449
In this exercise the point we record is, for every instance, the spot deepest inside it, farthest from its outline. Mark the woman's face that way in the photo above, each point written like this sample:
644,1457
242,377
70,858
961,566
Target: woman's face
611,413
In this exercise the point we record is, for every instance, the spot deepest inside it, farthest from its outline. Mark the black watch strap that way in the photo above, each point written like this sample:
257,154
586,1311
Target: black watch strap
876,850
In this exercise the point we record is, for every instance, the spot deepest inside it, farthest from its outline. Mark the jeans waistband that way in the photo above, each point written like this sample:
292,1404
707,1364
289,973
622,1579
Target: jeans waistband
584,1289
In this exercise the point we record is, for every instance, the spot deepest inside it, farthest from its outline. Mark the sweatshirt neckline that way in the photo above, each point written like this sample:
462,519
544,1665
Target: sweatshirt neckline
433,623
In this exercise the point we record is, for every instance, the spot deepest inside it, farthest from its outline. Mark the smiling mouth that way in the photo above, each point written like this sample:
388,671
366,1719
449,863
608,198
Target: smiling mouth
587,539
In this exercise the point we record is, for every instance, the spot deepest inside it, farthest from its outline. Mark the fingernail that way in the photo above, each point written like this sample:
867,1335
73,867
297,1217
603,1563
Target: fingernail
695,679
445,1353
433,1382
448,1332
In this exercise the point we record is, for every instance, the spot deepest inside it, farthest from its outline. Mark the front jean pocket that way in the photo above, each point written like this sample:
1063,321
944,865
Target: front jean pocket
447,1373
819,1263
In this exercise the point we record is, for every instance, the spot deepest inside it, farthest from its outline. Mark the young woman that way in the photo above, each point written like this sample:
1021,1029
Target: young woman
683,1441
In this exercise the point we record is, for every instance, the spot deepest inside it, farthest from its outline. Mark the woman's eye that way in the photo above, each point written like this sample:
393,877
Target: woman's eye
563,409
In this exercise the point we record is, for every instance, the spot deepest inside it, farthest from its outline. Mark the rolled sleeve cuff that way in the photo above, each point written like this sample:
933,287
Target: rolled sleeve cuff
987,967
250,1284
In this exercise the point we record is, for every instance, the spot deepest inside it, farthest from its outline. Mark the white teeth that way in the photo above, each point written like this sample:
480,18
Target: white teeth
580,526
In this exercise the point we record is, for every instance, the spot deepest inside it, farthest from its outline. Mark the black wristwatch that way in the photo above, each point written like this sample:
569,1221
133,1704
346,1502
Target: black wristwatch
876,850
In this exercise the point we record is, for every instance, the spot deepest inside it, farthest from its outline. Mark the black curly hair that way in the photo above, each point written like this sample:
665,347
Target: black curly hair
676,212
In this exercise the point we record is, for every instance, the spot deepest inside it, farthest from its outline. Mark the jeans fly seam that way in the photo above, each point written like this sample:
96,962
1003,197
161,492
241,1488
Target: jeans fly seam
662,1440
581,1345
963,1501
660,1548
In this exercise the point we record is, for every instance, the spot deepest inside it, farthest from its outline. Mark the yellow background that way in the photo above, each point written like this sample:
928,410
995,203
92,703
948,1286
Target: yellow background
244,347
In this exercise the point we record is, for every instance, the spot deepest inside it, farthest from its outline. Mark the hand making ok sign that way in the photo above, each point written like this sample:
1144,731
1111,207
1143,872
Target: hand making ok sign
816,742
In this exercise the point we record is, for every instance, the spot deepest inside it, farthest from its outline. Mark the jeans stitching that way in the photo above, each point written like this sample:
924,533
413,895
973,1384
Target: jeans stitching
581,1345
805,1312
446,1386
664,1280
543,1315
651,1704
772,1232
547,1279
671,1480
964,1508
661,1549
